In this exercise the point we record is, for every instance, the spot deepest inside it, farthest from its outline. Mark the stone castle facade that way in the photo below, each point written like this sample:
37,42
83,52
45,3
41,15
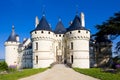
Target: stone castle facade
45,46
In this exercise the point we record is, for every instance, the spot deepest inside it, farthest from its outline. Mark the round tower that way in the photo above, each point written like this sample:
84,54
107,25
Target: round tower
11,49
78,43
43,44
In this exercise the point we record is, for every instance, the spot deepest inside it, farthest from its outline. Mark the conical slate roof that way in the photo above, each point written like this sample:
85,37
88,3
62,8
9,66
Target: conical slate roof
43,25
12,36
76,24
60,28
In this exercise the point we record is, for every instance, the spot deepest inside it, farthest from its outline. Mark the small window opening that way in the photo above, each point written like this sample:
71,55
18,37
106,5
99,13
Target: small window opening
42,32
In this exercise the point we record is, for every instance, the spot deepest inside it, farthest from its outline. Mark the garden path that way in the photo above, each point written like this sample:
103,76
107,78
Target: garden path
59,72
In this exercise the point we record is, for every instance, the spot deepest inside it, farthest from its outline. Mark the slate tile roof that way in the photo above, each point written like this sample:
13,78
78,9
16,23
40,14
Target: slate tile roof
43,25
12,36
60,28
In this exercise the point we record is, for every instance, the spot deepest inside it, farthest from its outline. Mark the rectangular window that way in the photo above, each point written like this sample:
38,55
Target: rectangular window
71,45
36,59
36,46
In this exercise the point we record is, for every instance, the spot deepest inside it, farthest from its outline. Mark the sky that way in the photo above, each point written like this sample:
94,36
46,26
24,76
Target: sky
22,13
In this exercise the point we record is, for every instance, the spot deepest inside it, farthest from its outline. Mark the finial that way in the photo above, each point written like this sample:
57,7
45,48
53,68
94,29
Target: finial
59,19
43,10
77,9
13,28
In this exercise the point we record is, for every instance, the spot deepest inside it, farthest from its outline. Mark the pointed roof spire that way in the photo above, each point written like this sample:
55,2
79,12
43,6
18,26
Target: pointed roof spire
13,35
60,28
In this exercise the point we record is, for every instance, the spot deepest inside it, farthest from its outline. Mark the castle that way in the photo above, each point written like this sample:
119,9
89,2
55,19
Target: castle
45,46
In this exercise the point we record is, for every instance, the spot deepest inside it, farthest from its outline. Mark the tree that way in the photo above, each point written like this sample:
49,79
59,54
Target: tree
110,27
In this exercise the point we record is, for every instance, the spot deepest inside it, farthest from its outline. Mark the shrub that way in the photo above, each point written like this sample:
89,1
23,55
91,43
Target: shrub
3,66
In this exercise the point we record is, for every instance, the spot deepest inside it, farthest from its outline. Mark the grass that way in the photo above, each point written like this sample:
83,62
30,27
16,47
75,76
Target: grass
20,74
97,73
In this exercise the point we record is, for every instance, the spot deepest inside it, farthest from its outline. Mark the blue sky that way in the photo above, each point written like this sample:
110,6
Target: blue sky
21,14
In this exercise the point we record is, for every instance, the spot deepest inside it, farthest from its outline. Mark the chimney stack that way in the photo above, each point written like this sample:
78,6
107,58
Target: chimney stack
82,19
36,21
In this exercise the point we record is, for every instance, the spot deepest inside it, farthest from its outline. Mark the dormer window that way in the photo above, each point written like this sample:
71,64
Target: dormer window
70,32
79,31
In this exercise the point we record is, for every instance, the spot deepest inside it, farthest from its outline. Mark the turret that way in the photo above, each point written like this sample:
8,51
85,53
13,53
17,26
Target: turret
11,49
42,44
78,43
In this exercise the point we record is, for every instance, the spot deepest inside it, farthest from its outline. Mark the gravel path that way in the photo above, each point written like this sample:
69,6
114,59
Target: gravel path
59,72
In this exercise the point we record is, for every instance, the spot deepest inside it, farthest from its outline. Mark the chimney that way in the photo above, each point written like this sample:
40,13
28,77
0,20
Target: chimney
36,21
17,38
82,19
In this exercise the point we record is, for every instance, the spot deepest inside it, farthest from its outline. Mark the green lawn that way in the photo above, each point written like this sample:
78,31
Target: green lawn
97,73
20,74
